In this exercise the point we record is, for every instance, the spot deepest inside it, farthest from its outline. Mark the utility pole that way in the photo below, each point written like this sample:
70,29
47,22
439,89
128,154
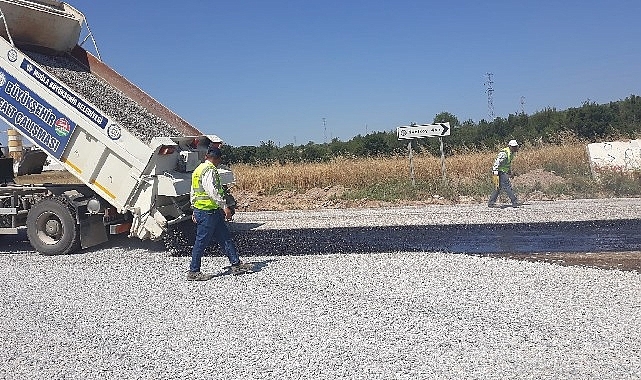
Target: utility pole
325,129
490,100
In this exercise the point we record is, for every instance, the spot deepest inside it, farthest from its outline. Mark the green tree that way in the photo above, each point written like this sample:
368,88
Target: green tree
314,153
591,120
241,154
376,144
446,117
266,152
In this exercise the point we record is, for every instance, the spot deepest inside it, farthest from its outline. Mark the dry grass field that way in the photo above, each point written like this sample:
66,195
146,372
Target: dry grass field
364,172
544,172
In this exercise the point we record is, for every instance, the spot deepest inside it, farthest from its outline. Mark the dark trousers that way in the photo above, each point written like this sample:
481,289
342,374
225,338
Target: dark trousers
211,225
505,185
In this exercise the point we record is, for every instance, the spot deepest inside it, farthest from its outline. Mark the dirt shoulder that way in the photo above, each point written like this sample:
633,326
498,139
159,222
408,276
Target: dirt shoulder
331,196
626,261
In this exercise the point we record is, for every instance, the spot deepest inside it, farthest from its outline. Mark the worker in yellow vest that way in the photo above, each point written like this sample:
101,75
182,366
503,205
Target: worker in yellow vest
209,213
501,172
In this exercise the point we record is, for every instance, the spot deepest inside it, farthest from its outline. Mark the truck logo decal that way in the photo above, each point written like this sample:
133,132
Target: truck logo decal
114,132
62,127
33,116
64,94
12,55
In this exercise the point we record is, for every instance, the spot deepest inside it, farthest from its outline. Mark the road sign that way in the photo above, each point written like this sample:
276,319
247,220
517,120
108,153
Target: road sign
423,130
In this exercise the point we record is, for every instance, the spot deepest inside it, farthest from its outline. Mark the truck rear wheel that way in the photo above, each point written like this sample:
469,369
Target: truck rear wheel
52,228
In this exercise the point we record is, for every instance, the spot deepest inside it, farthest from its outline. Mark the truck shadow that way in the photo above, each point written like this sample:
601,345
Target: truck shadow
18,243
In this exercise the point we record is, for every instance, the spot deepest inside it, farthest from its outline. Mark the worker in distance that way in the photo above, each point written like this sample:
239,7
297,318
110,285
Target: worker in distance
501,173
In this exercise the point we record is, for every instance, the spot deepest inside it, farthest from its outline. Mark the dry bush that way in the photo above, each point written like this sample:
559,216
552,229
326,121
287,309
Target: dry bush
363,172
561,159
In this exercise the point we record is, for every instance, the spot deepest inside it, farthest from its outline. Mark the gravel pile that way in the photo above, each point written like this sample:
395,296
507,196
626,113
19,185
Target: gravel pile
129,114
125,311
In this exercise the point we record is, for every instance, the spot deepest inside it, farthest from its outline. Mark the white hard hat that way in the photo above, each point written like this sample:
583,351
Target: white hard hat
513,143
214,139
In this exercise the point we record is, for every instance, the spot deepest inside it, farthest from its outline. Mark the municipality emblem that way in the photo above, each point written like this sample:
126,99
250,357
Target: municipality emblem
62,127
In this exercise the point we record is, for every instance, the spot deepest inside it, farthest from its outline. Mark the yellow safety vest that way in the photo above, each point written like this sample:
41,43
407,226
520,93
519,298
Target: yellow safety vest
505,166
200,199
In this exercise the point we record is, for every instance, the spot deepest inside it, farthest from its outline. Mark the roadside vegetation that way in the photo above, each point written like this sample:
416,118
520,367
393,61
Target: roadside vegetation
547,171
552,162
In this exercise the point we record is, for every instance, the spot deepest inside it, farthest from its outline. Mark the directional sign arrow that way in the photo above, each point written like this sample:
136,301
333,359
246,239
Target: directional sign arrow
446,129
423,130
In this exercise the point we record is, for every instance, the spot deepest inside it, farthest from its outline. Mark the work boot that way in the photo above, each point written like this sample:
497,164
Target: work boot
198,276
241,268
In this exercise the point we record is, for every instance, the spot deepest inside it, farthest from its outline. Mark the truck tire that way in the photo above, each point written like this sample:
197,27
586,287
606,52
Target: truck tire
52,228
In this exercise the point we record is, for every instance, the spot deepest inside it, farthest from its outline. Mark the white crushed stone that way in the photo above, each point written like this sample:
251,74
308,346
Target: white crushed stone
126,311
533,212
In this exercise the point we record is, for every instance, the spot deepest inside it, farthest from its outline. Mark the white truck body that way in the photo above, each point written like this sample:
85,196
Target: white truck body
148,182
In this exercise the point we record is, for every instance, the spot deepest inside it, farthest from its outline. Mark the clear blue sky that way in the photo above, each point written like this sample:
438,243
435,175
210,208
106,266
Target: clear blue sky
252,71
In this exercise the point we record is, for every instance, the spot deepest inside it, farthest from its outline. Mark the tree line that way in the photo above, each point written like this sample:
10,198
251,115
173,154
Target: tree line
590,122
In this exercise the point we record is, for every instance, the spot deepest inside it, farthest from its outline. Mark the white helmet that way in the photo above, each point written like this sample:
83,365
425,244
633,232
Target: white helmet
513,143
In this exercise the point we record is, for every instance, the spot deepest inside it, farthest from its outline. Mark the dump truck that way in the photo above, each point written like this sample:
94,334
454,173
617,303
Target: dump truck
133,156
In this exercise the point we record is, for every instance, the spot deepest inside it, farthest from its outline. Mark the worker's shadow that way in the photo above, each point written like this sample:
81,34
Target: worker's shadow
257,266
242,226
504,206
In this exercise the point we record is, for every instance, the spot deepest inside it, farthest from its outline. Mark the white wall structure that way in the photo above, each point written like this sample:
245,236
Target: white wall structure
615,155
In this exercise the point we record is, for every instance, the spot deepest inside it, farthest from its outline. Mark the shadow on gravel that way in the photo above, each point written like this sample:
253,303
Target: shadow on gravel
257,267
124,242
18,243
526,238
601,243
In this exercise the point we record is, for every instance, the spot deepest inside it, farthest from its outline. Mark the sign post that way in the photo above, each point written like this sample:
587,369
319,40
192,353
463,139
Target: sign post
411,156
415,131
442,159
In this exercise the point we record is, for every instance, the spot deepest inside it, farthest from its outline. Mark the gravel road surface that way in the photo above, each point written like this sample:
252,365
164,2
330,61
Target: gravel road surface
125,311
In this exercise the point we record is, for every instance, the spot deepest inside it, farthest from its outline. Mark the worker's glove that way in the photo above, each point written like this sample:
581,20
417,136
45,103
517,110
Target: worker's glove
495,172
495,180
